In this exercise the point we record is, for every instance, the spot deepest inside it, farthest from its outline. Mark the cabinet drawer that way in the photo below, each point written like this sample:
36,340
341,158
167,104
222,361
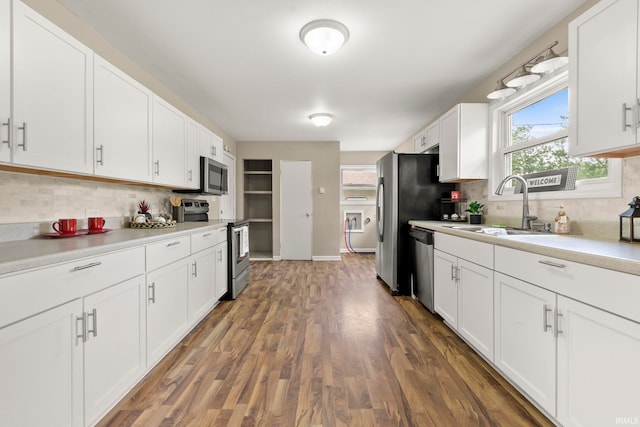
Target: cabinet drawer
471,250
207,239
25,294
610,290
165,252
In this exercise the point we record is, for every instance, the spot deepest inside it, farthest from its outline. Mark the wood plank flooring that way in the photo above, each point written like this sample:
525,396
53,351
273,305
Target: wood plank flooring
322,344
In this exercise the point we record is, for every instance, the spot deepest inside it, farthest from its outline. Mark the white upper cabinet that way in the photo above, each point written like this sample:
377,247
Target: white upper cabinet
193,154
5,82
419,143
427,139
463,143
122,124
210,144
169,144
603,80
52,95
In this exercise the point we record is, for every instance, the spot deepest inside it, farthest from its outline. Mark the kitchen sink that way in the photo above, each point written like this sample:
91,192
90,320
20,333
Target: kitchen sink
511,231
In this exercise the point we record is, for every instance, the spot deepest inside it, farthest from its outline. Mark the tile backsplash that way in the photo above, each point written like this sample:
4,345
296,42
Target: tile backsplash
41,198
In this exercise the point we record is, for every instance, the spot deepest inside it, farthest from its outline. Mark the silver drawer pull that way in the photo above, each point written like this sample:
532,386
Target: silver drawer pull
172,244
84,267
8,125
81,331
194,269
23,128
206,234
552,264
557,321
152,292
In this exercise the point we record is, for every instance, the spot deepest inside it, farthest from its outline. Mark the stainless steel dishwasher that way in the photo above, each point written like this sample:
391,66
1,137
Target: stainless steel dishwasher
421,241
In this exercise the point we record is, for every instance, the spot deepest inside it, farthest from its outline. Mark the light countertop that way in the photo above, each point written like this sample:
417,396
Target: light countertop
610,254
41,251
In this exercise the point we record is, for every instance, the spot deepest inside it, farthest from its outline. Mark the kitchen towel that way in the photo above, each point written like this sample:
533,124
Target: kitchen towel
245,240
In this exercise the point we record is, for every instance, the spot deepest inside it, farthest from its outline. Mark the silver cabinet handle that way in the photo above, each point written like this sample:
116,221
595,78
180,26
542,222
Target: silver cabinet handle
81,331
552,264
100,150
8,125
172,244
220,255
190,175
557,317
23,128
194,269
94,323
157,163
206,234
152,291
453,274
84,267
545,316
625,126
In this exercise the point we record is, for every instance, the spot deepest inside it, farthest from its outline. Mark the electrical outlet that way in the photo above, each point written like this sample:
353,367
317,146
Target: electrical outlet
88,213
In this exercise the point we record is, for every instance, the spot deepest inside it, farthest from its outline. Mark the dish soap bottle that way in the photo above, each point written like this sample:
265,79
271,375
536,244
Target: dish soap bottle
562,224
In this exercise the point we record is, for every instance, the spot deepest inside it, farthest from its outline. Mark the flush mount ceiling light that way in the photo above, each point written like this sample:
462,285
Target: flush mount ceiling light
324,36
321,119
501,91
544,62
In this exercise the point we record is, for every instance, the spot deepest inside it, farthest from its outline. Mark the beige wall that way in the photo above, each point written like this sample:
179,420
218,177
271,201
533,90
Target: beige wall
325,172
69,22
591,217
368,238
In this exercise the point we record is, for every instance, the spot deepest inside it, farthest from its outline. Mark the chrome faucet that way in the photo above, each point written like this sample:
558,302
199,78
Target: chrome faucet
526,217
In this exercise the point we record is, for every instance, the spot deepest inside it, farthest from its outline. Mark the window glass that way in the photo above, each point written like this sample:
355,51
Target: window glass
359,184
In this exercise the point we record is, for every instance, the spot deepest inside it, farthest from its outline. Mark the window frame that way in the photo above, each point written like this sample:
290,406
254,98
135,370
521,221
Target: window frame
499,137
356,202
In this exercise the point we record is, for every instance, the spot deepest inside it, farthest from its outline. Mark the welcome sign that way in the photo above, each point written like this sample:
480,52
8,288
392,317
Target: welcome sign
555,180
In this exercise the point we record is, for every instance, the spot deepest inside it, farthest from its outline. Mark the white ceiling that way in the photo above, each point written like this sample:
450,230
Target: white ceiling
241,62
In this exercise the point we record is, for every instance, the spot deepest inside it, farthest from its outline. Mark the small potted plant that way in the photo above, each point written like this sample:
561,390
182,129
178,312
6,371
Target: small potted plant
475,210
143,209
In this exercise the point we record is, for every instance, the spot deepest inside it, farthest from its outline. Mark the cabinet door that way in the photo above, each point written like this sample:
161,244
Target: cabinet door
114,354
52,95
446,287
419,143
598,374
193,155
169,144
221,270
41,369
449,150
432,135
603,43
202,284
122,124
475,306
5,82
167,309
525,346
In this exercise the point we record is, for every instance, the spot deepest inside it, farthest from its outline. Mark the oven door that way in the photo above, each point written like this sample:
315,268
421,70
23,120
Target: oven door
239,258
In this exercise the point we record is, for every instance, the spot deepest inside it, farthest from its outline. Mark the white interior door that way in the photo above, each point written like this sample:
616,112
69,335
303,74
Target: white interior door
296,218
228,201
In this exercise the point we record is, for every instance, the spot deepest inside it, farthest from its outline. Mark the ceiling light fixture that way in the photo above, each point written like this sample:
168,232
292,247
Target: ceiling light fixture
324,36
321,119
544,62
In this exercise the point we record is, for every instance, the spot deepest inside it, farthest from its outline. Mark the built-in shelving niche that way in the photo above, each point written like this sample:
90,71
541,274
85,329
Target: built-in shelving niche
258,206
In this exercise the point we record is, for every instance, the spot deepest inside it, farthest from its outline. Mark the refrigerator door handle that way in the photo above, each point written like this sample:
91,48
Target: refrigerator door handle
380,209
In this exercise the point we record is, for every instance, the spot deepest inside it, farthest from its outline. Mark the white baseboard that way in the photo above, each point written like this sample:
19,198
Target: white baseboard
277,258
326,258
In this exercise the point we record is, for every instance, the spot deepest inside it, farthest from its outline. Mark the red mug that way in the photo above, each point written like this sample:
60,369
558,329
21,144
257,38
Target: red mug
66,226
96,223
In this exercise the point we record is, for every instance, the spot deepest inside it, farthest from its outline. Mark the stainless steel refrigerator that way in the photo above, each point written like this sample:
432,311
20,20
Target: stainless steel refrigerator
408,188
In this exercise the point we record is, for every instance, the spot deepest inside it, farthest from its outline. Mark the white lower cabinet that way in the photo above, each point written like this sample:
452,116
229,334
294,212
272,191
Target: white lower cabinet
463,290
445,292
202,284
598,367
41,369
167,309
114,353
525,345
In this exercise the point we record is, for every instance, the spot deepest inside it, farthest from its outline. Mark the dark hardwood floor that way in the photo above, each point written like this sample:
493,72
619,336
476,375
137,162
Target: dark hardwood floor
322,344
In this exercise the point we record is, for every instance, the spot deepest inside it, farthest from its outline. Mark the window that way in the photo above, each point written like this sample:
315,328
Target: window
530,134
358,185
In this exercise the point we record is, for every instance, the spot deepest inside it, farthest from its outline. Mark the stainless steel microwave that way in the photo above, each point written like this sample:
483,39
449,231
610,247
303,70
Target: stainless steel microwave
214,178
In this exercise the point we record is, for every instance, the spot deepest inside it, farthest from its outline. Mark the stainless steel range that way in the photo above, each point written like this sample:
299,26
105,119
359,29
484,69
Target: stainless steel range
238,244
